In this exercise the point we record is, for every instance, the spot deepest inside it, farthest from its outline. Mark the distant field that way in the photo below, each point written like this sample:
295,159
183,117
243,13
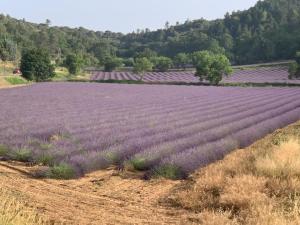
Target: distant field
76,128
251,75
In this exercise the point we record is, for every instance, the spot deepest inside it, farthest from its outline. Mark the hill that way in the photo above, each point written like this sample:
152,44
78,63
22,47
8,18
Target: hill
266,32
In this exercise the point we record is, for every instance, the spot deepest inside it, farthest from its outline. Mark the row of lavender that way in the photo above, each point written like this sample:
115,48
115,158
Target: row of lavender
260,75
169,130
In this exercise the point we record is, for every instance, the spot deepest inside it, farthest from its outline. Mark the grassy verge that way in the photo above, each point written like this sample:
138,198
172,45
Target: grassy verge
259,185
16,80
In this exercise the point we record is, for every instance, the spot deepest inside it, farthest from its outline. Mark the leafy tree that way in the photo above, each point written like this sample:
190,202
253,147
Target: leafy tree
147,53
73,63
294,69
298,57
162,63
212,67
181,60
8,50
102,50
36,65
129,62
111,63
141,66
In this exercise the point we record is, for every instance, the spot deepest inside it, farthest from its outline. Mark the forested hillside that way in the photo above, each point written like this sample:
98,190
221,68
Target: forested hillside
269,31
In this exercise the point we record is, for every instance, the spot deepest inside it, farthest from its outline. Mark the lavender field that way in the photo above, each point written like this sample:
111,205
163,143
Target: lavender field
259,75
168,130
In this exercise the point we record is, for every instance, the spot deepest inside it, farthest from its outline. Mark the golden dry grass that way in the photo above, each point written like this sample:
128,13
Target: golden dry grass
259,185
14,212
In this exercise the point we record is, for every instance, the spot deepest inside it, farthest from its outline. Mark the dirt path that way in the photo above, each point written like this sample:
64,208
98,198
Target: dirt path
103,197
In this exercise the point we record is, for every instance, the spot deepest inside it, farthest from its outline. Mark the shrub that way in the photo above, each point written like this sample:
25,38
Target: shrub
141,66
36,65
111,63
172,172
138,163
3,150
73,63
46,160
23,155
62,171
162,64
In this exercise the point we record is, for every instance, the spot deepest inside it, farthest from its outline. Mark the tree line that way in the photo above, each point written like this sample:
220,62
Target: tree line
268,31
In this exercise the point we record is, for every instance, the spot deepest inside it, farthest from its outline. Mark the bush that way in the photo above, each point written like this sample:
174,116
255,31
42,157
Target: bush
62,171
111,63
162,64
139,164
141,66
3,150
293,69
172,172
36,65
73,63
23,155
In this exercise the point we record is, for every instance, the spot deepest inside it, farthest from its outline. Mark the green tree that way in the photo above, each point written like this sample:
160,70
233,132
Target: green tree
8,50
162,64
73,63
294,69
111,63
212,67
141,66
36,65
181,60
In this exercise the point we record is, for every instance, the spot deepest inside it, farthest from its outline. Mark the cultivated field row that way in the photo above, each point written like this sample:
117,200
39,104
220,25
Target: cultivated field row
167,130
259,75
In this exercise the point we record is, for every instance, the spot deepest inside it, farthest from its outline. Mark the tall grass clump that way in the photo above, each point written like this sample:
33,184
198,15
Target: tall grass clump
63,171
14,212
282,161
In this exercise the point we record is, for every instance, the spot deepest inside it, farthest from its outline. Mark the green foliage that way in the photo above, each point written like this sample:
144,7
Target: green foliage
8,50
103,49
138,164
62,171
22,155
15,80
129,62
269,31
3,150
141,66
36,65
147,53
211,67
294,69
181,60
73,63
162,64
170,172
111,63
298,57
46,160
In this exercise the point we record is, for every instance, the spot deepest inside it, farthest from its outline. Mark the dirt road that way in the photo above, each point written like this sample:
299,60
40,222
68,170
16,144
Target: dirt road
103,197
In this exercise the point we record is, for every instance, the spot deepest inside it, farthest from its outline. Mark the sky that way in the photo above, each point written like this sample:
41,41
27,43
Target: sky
119,15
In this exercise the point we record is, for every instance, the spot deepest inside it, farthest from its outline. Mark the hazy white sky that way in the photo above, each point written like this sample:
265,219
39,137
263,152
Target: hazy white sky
119,15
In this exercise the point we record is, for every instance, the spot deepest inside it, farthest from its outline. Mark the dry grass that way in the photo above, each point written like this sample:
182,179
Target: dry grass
282,161
259,185
14,212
